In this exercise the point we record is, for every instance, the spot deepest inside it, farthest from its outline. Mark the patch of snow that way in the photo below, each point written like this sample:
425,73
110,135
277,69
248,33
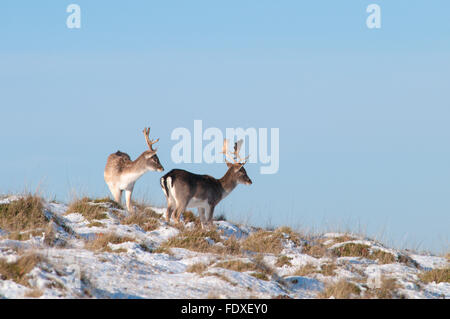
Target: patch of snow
131,270
430,262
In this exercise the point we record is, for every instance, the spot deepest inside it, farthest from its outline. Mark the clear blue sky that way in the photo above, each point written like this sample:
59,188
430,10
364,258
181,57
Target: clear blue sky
363,114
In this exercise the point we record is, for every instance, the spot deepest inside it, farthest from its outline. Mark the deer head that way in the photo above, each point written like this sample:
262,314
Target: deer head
236,166
151,159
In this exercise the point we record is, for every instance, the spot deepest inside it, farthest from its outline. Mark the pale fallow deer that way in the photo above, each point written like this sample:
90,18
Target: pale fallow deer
187,190
121,173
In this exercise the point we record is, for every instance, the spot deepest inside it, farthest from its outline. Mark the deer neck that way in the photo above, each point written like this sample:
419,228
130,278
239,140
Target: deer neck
228,182
138,166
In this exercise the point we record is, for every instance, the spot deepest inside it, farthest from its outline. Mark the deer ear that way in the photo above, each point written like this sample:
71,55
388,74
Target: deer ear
229,164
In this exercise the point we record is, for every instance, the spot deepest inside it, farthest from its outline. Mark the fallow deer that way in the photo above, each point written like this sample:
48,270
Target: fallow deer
187,190
121,172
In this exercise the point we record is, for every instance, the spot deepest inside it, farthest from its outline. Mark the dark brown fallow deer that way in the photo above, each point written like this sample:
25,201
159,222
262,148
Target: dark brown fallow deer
187,190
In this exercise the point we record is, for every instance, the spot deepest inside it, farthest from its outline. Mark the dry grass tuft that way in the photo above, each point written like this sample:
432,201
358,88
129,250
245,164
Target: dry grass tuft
435,275
263,267
283,260
387,289
24,214
259,269
289,234
341,239
101,242
18,270
197,268
25,218
195,239
305,270
144,219
88,209
238,265
341,290
260,275
106,200
328,269
365,251
264,241
405,259
316,250
189,216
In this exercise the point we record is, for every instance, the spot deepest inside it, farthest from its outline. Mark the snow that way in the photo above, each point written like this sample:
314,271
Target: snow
133,270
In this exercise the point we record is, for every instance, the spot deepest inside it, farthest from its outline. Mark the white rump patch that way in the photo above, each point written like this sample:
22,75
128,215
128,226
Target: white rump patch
162,185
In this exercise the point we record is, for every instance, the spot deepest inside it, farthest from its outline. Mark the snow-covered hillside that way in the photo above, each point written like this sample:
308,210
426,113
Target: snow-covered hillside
111,257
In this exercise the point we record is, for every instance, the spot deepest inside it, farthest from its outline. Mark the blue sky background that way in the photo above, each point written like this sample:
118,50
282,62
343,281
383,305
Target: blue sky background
363,114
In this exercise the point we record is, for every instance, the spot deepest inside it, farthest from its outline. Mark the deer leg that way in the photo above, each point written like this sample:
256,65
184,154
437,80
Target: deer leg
210,215
201,214
178,211
117,194
128,199
170,209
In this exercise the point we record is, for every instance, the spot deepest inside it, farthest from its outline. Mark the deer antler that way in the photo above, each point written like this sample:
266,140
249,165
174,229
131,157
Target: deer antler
150,142
237,147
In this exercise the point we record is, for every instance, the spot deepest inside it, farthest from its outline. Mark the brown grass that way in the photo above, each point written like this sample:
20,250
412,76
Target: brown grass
142,205
283,260
259,269
291,235
260,275
101,242
106,200
18,270
95,224
365,251
341,239
88,209
189,216
194,239
162,250
316,250
197,268
238,265
145,219
24,214
328,269
305,270
25,218
340,290
387,289
264,241
435,275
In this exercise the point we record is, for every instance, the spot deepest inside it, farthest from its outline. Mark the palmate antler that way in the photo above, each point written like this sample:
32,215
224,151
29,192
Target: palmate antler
235,158
150,142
